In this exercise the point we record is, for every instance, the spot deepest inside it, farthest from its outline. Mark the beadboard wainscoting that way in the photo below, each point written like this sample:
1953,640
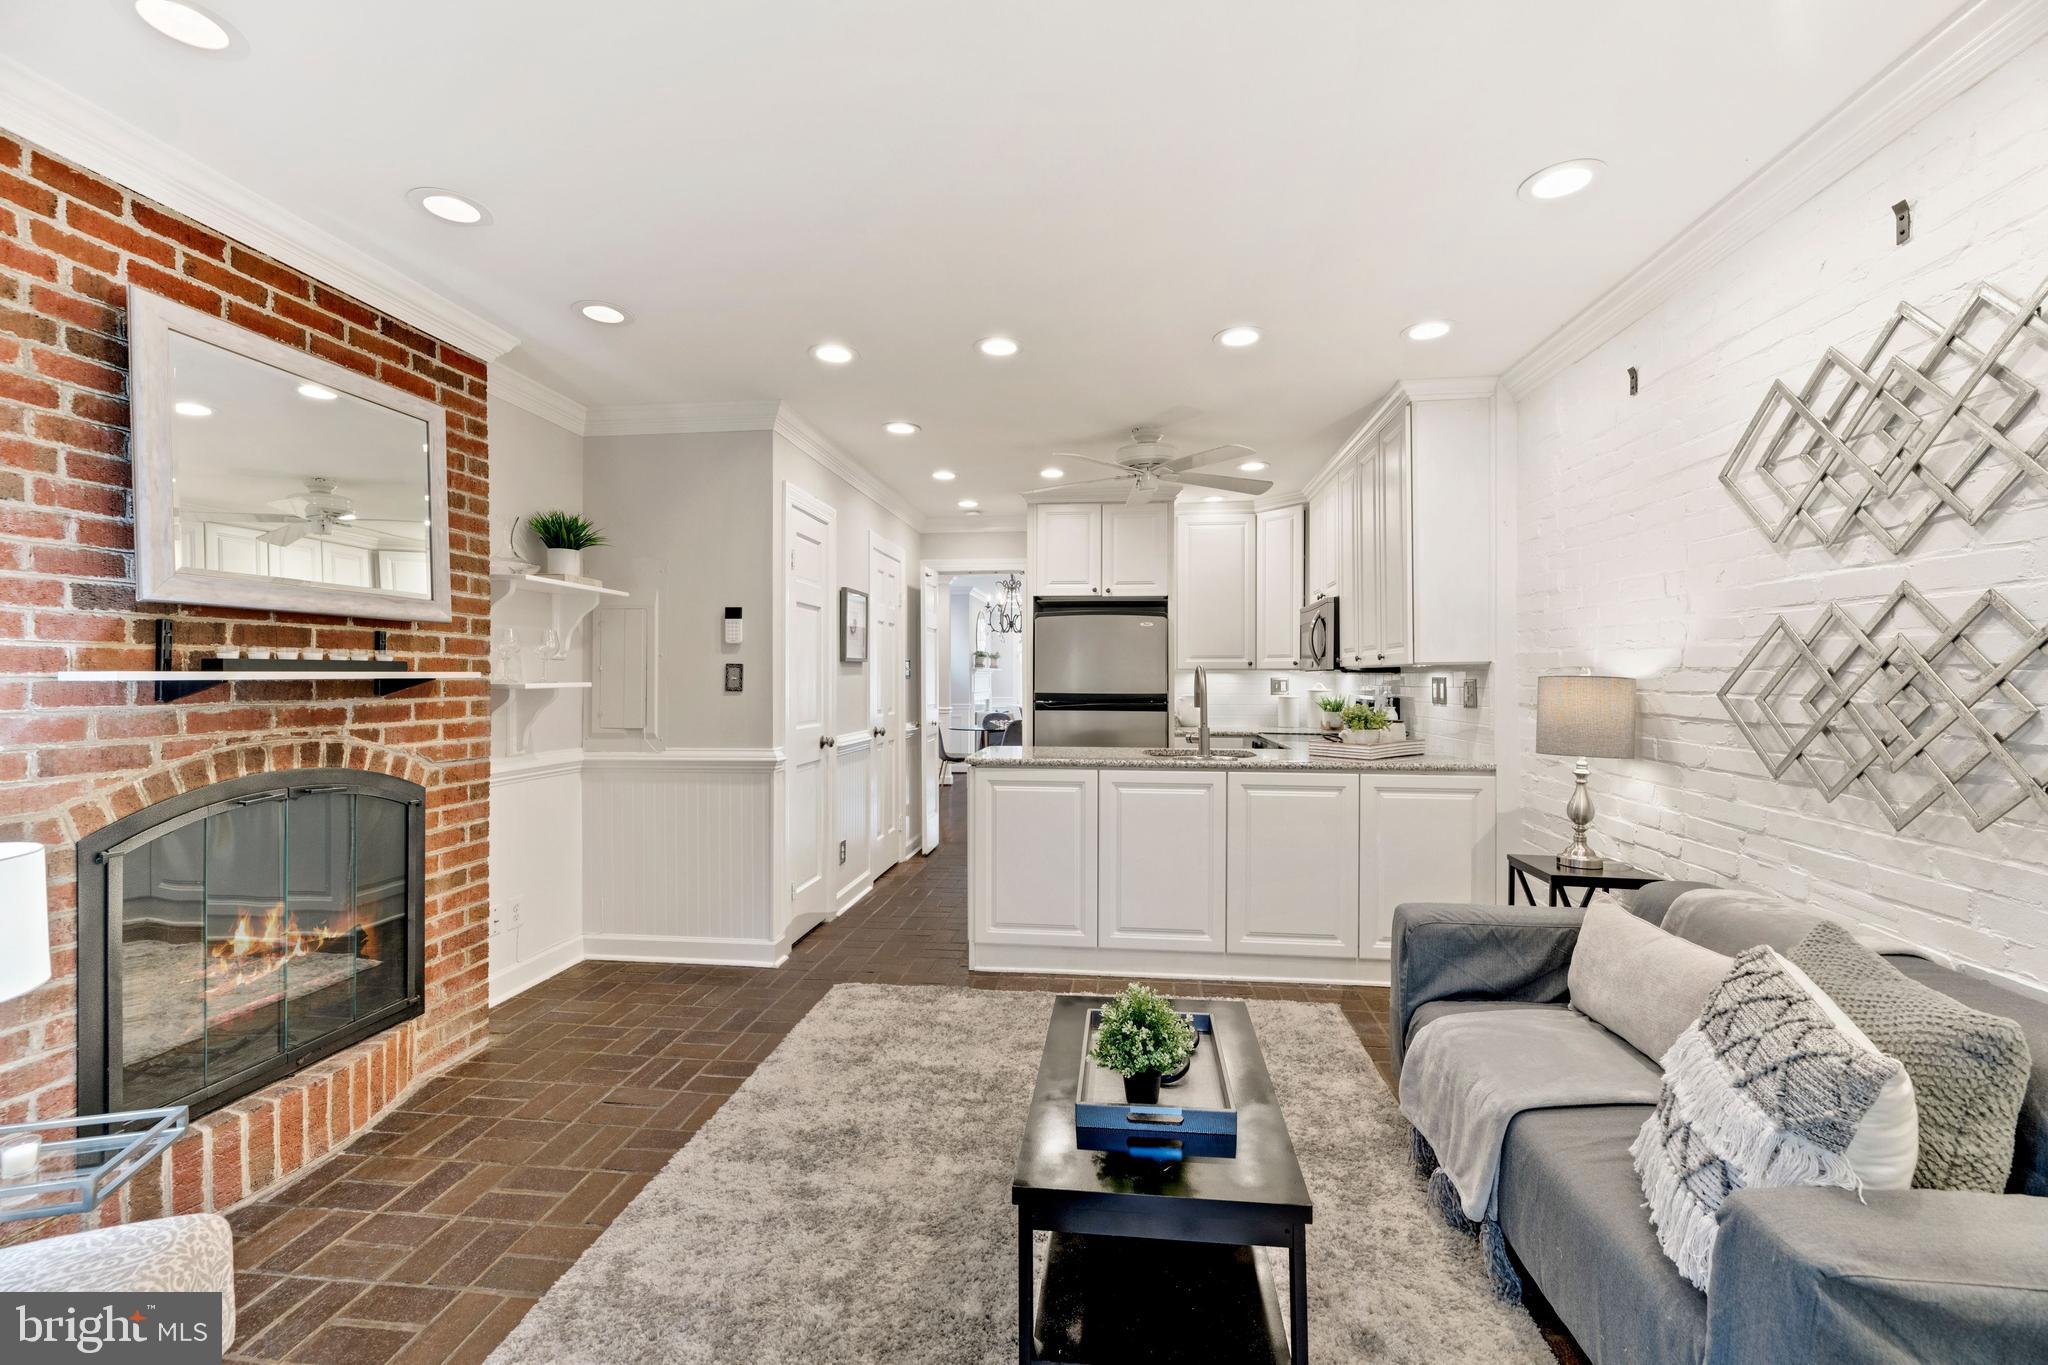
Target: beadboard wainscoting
852,877
537,869
679,856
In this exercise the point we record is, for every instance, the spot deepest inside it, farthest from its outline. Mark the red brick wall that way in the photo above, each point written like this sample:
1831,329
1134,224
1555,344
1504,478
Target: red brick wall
74,756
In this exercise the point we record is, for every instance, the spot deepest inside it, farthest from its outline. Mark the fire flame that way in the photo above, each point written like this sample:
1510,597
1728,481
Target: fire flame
254,951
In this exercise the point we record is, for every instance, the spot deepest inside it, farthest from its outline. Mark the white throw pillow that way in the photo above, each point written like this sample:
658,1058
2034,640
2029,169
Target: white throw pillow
1886,1147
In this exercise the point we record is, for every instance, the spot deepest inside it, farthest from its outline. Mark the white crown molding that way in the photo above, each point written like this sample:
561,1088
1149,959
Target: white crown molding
530,395
677,419
1974,42
964,525
791,427
61,121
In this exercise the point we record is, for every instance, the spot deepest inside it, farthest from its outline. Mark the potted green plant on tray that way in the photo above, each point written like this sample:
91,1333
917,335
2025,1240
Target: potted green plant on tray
1365,723
1332,707
1141,1038
565,536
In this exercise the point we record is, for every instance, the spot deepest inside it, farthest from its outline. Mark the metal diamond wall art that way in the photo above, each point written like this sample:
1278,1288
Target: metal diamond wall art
1929,417
1908,704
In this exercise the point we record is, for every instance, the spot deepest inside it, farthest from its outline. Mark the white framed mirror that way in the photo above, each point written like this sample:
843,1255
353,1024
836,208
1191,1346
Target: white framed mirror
269,478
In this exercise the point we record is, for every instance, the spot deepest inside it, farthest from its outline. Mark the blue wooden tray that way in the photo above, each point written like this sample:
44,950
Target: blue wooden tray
1196,1116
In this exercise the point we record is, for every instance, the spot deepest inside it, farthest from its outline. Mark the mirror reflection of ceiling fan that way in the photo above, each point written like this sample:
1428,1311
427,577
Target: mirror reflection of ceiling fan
1156,472
320,510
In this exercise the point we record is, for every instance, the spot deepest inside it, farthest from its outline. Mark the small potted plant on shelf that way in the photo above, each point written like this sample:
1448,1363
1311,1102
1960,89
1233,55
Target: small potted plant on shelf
1365,723
565,536
1142,1038
1332,707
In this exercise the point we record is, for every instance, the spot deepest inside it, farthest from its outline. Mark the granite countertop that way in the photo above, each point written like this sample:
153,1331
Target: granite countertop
1295,757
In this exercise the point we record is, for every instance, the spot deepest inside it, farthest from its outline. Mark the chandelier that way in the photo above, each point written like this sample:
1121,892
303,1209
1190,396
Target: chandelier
1005,614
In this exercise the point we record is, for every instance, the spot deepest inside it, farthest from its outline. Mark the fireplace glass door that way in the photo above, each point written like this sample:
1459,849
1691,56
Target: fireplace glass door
250,933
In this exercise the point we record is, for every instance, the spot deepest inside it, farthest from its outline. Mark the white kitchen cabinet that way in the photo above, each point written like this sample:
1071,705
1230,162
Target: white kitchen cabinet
1215,599
1293,864
1280,587
1066,550
1401,529
1422,837
1090,548
1032,856
1137,550
1162,860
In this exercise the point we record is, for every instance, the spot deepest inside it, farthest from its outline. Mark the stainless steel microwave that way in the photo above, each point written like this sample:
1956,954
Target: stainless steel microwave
1319,635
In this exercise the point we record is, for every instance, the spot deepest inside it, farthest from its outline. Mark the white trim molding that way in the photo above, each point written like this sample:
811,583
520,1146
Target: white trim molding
683,760
791,427
61,121
965,525
510,771
528,394
703,952
1974,42
526,975
676,419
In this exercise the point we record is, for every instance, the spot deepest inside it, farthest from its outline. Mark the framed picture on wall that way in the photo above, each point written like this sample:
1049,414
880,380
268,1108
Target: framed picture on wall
853,626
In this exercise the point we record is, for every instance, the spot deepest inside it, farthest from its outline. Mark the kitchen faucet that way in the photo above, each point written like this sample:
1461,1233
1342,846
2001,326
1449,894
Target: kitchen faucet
1202,708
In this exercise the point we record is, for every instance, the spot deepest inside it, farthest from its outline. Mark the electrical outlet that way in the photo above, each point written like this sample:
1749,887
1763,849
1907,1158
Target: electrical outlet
734,677
842,853
1280,687
1439,690
1471,691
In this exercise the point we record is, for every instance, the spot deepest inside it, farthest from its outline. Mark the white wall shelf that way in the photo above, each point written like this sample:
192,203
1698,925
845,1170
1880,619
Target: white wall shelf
496,685
209,678
570,602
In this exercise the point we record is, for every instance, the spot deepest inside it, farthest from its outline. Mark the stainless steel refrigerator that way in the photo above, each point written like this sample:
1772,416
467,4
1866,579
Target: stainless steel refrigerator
1099,672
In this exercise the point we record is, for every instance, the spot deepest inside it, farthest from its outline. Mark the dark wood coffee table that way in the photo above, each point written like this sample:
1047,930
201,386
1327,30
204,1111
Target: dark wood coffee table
1205,1299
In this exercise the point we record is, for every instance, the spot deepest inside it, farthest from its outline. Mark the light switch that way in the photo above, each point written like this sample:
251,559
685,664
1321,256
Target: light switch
735,677
1439,690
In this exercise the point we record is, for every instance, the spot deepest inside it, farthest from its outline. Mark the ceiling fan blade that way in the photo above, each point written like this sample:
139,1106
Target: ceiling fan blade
1090,459
1226,483
272,516
1085,483
288,534
1213,455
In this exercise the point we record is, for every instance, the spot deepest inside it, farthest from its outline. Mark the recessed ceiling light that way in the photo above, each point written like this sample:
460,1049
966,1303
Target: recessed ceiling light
900,428
609,314
1565,178
833,352
1238,337
1052,472
1252,466
187,24
185,407
943,475
969,504
997,347
1213,497
317,393
1430,330
449,206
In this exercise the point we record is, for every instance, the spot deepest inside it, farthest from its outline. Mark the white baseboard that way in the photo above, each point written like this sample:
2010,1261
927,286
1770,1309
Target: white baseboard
526,975
704,952
1126,964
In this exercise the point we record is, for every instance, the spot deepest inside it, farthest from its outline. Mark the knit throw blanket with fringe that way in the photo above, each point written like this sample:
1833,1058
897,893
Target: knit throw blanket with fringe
1761,1091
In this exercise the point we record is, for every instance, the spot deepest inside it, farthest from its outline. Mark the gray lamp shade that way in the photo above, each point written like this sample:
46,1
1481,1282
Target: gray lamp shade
1586,717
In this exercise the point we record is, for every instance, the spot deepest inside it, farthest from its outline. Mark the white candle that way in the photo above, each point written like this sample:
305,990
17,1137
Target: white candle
18,1159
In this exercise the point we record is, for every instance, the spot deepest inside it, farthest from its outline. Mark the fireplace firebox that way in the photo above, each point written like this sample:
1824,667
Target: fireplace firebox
235,934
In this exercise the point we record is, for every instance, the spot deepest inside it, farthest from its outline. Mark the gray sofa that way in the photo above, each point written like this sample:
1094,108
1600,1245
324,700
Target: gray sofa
1804,1275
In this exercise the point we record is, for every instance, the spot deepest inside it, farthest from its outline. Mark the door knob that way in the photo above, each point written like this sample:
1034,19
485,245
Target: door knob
826,741
881,731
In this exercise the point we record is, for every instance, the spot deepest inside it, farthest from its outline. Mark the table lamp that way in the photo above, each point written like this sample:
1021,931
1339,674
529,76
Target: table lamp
1582,716
24,920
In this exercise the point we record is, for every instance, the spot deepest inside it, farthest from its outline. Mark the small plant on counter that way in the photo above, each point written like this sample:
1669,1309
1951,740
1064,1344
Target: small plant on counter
1332,703
1363,715
1142,1037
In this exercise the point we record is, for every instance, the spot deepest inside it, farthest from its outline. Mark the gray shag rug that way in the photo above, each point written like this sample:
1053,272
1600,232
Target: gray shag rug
851,1202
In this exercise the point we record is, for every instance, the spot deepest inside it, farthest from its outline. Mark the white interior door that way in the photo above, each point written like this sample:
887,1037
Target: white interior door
809,648
928,706
886,656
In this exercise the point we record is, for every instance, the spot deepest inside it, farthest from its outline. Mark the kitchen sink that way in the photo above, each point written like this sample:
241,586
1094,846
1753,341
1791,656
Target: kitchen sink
1192,752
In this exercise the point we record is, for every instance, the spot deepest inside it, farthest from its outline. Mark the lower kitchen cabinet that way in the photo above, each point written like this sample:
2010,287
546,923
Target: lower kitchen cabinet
1162,860
1293,839
1422,837
1032,856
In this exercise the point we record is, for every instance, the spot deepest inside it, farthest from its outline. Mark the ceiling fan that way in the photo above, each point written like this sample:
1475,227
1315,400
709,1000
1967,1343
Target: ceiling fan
321,510
1157,473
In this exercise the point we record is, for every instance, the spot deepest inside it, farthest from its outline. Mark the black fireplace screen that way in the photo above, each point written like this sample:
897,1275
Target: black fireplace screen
230,936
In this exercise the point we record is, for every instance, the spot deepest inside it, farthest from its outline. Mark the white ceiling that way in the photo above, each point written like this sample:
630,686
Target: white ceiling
1109,183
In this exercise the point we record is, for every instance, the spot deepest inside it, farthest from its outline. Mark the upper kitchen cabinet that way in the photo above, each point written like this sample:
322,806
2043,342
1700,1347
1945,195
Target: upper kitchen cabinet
1215,596
1095,549
1280,586
1408,513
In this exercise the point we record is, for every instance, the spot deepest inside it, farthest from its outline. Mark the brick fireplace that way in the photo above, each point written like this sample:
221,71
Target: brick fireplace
78,757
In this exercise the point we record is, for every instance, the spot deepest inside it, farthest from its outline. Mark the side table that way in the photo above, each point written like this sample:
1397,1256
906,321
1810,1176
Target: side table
1543,866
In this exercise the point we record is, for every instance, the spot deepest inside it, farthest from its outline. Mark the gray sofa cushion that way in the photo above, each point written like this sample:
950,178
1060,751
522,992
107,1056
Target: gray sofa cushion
1734,921
1638,981
1437,1009
2030,1147
1572,1209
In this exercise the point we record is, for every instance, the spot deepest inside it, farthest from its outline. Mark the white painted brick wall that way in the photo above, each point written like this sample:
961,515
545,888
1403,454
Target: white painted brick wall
1634,559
